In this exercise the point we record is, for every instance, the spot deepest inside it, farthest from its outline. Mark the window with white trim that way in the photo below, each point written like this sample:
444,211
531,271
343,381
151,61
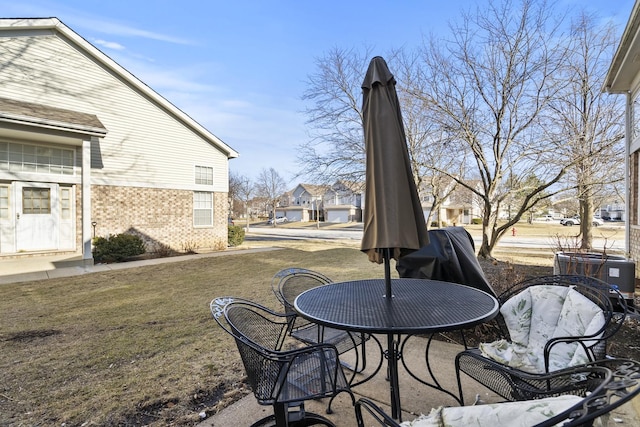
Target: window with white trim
36,201
4,202
204,175
36,159
65,203
202,208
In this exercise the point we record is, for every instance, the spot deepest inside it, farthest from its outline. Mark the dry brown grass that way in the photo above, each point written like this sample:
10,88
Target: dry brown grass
136,346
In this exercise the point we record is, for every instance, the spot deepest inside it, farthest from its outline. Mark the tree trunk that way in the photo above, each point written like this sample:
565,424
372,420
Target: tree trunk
586,219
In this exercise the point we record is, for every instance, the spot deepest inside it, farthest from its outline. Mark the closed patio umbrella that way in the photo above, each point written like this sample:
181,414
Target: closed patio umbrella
394,222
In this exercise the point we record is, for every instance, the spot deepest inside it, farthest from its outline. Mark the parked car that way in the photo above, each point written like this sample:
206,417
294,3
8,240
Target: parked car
279,220
570,221
576,221
230,221
547,217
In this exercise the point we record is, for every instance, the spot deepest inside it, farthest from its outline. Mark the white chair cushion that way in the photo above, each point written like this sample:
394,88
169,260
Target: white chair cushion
510,414
538,314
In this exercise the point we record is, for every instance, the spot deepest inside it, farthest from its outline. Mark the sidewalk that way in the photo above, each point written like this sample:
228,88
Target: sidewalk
55,266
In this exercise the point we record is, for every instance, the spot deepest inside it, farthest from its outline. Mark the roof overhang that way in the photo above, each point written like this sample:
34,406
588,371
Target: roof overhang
42,116
625,65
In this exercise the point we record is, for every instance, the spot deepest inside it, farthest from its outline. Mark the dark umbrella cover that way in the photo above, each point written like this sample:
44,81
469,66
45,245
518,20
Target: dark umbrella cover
393,218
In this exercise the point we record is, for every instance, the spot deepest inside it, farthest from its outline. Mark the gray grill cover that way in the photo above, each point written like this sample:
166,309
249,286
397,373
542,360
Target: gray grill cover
449,256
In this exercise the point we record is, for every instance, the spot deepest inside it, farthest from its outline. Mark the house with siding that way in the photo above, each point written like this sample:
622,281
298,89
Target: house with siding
87,149
343,202
623,77
303,203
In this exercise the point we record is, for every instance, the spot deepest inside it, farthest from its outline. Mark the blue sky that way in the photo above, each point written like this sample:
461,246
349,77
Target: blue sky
239,67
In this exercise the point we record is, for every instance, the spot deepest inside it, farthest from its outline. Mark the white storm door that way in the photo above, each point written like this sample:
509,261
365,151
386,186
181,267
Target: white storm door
37,216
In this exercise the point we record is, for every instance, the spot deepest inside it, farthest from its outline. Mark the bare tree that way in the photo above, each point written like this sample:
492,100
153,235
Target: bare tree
271,186
589,124
428,144
336,148
488,88
243,190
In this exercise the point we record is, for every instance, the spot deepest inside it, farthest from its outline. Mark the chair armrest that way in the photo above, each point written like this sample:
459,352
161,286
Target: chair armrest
622,385
374,412
581,340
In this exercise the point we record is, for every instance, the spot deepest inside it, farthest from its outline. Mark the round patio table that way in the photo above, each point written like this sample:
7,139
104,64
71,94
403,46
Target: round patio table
418,306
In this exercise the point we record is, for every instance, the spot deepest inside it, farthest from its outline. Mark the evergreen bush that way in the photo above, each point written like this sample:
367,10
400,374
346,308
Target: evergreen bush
117,247
236,235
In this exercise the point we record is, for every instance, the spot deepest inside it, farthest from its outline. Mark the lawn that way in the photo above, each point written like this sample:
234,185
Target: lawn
137,346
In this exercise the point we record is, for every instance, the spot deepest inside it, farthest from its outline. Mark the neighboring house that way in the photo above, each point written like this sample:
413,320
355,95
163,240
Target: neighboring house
459,207
623,77
304,203
343,202
86,148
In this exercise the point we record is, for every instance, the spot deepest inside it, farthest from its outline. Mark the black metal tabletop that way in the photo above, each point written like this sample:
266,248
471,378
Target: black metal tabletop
418,306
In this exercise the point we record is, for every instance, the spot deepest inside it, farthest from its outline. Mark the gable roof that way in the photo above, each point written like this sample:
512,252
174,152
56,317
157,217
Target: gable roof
314,189
55,26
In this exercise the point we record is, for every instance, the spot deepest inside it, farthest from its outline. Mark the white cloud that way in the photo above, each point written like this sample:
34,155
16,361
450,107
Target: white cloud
108,45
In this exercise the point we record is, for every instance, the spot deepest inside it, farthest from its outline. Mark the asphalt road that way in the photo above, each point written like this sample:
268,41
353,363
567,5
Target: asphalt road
355,233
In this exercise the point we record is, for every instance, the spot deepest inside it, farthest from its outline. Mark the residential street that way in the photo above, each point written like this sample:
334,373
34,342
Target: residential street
354,232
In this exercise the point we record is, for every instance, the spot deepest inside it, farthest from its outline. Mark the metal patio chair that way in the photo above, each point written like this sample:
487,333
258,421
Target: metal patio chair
545,324
284,379
287,284
576,396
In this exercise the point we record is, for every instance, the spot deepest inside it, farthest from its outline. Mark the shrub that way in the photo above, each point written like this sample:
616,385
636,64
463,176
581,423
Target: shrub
476,221
236,235
117,247
189,247
163,250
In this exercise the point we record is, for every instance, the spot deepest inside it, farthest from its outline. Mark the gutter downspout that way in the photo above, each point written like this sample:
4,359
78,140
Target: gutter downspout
627,177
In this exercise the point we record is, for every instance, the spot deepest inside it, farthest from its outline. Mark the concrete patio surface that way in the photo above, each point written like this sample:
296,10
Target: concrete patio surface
416,398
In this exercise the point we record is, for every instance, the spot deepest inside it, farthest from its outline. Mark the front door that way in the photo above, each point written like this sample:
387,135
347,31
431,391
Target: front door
37,216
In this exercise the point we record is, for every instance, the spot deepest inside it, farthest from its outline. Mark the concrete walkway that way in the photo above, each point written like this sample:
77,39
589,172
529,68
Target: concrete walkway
31,268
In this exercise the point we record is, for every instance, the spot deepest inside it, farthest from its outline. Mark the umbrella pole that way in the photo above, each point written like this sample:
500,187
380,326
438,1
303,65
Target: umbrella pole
386,253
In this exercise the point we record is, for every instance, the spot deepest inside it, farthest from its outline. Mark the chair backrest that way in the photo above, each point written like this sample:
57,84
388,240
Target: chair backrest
259,334
288,283
275,375
587,293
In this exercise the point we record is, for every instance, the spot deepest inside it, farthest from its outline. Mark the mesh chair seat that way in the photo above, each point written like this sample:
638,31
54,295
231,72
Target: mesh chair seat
558,340
277,377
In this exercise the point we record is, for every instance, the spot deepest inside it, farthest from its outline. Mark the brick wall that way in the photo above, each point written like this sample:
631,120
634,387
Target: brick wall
159,216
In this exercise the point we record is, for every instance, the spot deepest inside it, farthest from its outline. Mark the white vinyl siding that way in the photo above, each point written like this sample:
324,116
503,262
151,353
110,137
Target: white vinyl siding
202,209
145,145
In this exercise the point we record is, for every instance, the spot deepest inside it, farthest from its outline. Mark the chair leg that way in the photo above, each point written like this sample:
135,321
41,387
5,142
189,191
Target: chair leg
283,417
458,379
